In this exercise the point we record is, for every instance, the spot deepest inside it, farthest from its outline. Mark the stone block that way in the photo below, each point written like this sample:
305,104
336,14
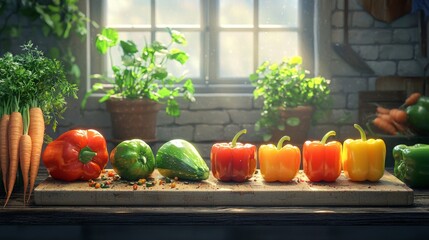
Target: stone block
340,67
383,68
405,35
367,52
362,19
353,85
243,116
337,36
164,119
410,68
337,19
203,117
382,36
167,133
336,85
231,130
370,36
206,132
372,83
252,136
213,101
352,101
393,52
338,100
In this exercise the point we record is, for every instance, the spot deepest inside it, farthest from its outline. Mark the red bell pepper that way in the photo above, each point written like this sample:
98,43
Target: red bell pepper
233,161
76,155
321,160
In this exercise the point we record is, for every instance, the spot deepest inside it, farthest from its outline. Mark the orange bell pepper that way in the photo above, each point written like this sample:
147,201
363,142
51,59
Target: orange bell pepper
321,160
279,163
364,159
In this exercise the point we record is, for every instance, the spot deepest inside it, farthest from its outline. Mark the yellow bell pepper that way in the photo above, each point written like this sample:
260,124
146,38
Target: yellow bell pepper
363,159
279,163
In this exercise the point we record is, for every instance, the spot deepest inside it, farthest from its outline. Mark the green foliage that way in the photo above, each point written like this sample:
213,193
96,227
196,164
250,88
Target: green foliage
286,85
36,81
58,18
144,74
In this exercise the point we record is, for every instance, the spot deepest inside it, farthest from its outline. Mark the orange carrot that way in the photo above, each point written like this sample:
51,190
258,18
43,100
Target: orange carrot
398,115
4,148
384,125
385,116
412,99
36,131
382,110
25,151
24,160
15,132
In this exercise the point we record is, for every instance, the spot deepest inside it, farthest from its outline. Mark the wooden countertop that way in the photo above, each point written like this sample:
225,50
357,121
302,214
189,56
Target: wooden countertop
414,215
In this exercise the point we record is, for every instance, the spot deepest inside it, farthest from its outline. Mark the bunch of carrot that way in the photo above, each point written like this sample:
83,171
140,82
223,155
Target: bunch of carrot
21,140
394,121
33,89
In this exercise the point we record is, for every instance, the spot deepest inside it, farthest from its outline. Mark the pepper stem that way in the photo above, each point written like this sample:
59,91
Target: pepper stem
280,143
327,135
362,132
234,140
86,154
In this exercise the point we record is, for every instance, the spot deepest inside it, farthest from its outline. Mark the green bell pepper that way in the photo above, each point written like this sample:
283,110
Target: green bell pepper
133,159
418,115
412,164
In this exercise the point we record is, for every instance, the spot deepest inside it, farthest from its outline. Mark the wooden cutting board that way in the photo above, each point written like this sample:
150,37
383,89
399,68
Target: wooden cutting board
389,191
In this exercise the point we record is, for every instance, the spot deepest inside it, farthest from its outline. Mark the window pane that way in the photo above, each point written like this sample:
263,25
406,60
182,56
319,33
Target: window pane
237,13
278,13
192,67
129,13
235,54
177,12
273,46
139,39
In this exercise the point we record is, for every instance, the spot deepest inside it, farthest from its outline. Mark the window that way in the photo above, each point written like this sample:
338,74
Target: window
227,39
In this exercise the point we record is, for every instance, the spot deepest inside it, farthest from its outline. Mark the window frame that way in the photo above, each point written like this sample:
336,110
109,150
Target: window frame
209,81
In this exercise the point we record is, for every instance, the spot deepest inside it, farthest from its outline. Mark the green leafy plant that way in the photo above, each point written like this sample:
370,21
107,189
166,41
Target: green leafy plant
31,79
144,74
58,18
286,85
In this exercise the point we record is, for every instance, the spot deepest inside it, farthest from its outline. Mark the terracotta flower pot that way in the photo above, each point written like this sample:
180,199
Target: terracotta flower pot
133,118
297,121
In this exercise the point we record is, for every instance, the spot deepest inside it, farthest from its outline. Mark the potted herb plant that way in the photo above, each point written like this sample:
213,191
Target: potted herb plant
290,98
141,83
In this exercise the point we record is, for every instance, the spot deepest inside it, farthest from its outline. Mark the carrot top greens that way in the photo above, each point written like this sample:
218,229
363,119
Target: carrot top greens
37,81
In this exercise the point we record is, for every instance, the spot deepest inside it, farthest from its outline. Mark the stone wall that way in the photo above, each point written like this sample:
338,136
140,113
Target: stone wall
389,48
